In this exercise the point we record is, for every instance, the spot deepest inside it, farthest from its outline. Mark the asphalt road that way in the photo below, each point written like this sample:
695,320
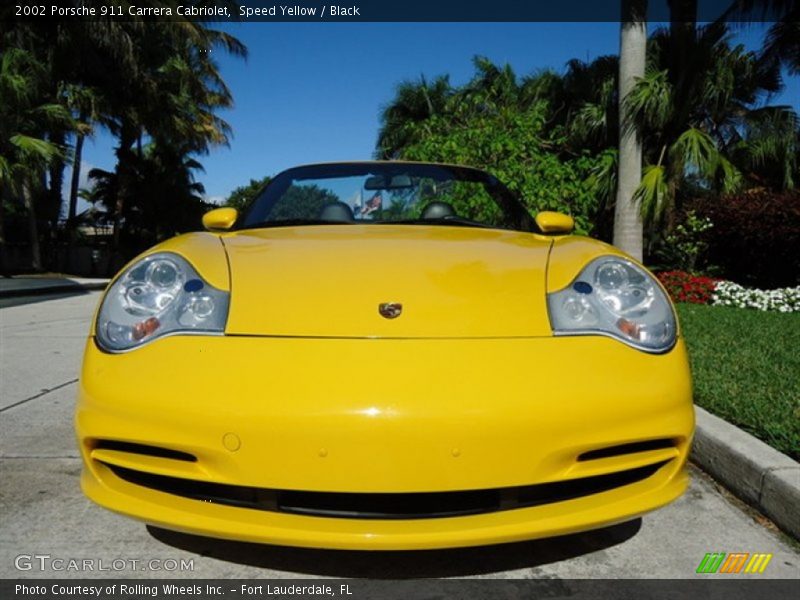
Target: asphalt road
43,513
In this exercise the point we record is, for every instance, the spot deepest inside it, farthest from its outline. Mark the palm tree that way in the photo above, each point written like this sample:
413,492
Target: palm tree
74,55
169,199
414,102
697,123
146,82
768,146
628,229
84,102
25,152
590,97
170,99
782,43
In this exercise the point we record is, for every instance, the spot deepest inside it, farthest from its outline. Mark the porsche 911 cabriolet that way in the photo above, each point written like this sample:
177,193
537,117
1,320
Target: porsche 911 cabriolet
379,356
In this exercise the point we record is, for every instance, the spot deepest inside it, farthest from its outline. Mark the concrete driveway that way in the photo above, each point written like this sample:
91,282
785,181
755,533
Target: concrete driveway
43,514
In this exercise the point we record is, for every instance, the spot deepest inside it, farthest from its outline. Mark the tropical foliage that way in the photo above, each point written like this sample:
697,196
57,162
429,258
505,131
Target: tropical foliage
168,199
502,124
154,86
242,197
782,44
700,113
704,122
26,115
706,127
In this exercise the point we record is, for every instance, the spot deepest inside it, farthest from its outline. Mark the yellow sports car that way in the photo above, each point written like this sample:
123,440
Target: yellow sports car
384,355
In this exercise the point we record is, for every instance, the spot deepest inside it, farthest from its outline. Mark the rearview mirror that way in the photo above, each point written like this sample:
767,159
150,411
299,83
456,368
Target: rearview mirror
554,222
381,182
220,219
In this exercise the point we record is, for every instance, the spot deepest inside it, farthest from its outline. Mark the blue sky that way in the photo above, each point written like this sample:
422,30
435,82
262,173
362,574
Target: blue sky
313,91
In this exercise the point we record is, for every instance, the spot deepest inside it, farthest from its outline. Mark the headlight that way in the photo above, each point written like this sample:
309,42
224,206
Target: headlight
612,296
160,294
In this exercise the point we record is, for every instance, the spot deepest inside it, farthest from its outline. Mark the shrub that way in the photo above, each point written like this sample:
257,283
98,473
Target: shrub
755,236
685,248
685,287
519,148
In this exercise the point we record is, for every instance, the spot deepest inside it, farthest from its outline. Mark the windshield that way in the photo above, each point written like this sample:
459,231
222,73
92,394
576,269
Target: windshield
401,193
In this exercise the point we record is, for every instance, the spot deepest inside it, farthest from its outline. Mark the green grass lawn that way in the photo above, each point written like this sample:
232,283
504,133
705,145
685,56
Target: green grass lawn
746,369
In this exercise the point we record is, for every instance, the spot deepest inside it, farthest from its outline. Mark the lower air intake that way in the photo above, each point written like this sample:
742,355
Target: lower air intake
426,505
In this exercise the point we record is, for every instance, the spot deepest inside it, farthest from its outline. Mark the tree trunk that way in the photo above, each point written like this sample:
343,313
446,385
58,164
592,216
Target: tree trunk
628,230
125,160
72,211
2,233
682,26
118,208
76,178
682,21
55,198
33,229
2,218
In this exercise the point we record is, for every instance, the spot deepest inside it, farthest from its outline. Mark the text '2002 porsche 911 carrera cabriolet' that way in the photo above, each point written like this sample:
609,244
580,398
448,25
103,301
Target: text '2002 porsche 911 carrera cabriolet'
384,355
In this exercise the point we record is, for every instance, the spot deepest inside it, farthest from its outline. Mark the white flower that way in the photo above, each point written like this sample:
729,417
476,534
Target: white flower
728,293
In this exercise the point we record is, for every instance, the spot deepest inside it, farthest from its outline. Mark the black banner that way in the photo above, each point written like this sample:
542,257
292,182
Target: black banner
426,589
367,10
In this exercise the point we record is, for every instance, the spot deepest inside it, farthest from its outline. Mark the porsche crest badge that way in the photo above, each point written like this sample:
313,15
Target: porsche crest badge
390,310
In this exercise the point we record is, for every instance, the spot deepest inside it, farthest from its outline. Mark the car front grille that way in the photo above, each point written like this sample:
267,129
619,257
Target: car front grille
424,505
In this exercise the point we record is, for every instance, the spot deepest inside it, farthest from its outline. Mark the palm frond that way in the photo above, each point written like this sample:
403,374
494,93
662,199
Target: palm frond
782,44
653,193
649,103
589,122
730,176
694,150
34,149
5,170
771,144
52,115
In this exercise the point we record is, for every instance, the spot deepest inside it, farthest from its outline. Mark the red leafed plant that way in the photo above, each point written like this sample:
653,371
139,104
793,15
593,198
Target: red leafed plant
685,287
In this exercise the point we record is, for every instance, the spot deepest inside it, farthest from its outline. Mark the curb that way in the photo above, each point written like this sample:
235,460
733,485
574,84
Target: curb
752,470
67,286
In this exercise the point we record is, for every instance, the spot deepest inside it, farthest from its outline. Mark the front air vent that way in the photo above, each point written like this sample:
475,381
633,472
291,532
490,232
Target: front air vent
623,449
424,505
145,450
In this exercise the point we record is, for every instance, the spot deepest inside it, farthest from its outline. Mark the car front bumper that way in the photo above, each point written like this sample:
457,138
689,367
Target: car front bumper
528,437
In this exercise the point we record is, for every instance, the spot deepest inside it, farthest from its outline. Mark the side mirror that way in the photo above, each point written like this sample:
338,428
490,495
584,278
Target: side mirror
555,222
220,219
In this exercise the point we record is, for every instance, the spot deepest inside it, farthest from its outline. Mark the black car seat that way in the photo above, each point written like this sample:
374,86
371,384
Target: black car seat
336,211
438,210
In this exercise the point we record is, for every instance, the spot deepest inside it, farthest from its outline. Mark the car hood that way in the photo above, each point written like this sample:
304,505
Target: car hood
329,281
